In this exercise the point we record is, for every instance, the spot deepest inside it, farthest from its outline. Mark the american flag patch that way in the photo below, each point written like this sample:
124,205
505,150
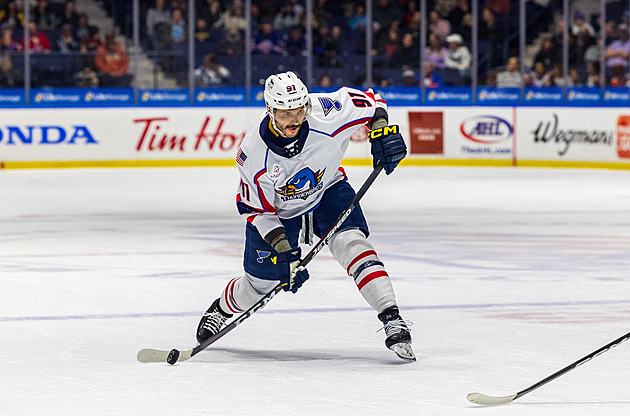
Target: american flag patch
241,157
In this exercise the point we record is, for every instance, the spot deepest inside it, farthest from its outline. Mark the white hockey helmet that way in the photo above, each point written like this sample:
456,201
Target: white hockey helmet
285,91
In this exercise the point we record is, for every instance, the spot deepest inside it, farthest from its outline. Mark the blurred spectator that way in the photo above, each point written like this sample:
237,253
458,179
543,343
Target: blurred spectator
93,39
156,15
389,47
11,17
540,76
178,27
210,73
408,54
557,77
358,20
298,7
409,78
385,13
458,57
266,41
548,55
592,74
618,76
234,23
410,11
294,42
112,63
325,82
491,31
466,28
581,26
69,16
618,50
66,43
8,43
202,31
574,76
611,31
8,74
38,42
286,18
432,79
435,52
439,26
86,78
212,12
43,16
83,27
491,78
456,15
329,47
501,7
511,77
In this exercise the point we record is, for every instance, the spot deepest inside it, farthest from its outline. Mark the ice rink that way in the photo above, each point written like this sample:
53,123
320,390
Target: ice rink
509,274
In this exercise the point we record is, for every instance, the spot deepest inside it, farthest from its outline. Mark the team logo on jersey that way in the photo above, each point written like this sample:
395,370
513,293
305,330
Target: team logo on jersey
262,255
328,105
302,185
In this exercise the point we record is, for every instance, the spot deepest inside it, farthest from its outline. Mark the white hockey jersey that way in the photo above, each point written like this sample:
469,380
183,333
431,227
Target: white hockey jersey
274,185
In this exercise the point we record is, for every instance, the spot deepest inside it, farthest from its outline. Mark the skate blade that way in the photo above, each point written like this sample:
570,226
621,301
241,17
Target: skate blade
404,351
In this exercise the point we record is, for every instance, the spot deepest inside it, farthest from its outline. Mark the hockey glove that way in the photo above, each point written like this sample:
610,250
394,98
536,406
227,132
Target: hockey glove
288,271
388,147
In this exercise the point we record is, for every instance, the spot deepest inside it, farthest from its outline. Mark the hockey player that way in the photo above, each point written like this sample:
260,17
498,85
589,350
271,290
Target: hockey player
291,180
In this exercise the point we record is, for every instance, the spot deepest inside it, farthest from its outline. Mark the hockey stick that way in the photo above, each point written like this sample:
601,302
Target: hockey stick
482,399
149,355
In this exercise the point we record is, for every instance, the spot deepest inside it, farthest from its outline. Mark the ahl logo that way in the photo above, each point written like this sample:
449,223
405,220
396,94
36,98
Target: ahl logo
486,129
328,105
296,187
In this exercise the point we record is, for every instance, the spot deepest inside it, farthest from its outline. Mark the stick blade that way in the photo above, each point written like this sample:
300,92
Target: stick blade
484,400
149,355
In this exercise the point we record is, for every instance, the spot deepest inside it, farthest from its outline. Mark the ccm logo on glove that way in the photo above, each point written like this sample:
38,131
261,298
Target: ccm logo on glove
388,147
383,131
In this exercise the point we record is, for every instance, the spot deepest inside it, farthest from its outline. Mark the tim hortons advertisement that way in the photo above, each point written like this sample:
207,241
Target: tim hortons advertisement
576,134
479,133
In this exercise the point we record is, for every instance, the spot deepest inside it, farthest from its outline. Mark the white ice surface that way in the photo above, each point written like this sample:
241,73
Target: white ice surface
508,274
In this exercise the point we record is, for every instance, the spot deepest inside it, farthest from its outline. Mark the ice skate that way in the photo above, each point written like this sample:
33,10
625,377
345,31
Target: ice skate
397,332
211,322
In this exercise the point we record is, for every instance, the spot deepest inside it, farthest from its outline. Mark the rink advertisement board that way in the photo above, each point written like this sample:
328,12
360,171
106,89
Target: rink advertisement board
206,136
560,134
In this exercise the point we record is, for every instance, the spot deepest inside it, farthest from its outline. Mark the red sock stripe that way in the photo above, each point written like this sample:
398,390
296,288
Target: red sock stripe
359,257
374,275
229,300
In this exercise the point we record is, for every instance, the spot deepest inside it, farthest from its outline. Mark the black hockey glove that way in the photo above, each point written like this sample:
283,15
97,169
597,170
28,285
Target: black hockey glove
388,147
288,271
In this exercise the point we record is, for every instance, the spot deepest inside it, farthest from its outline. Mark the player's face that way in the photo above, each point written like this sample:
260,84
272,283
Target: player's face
290,121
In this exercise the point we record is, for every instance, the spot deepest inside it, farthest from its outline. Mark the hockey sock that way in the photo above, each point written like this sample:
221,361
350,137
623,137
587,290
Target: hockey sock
242,292
352,250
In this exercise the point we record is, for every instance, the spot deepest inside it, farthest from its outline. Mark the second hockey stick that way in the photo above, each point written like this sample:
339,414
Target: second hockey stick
149,355
482,399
